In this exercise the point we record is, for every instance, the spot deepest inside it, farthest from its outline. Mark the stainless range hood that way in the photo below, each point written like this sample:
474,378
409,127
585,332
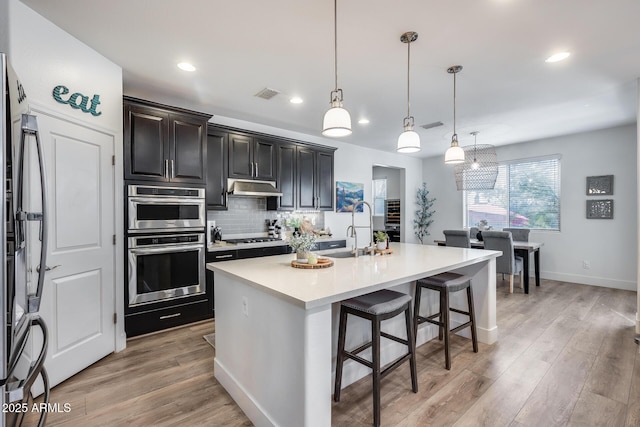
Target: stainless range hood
247,187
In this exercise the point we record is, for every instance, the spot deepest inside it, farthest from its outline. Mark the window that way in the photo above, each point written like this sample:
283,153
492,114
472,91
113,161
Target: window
379,195
526,195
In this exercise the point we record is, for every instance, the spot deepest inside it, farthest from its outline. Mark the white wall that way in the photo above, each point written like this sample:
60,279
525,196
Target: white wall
45,56
4,26
355,164
638,211
610,246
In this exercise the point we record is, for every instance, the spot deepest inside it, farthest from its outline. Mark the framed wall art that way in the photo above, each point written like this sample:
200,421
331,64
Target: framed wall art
600,209
600,185
348,194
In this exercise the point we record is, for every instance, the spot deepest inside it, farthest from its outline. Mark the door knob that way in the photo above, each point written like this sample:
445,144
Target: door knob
48,268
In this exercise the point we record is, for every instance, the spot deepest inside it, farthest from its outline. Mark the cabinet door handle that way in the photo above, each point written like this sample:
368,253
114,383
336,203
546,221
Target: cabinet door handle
251,169
173,169
256,169
169,316
166,168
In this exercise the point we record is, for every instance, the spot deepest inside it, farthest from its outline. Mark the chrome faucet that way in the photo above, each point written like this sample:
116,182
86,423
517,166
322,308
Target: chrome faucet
367,249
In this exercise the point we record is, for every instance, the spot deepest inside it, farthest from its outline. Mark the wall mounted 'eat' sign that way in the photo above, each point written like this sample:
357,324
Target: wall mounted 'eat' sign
77,100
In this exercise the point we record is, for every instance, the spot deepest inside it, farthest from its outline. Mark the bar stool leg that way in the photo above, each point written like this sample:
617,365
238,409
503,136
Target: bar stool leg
342,329
375,339
411,340
416,310
445,327
472,315
440,317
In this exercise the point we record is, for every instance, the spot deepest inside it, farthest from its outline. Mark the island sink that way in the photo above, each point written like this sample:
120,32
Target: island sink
341,254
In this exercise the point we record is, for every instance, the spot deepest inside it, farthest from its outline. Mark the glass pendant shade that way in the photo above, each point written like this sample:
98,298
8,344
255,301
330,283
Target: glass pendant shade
337,121
408,142
454,155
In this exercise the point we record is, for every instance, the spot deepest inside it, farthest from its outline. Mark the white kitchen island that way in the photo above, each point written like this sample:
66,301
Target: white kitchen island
276,326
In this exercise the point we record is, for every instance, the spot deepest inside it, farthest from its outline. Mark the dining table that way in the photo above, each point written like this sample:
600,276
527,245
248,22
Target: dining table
520,248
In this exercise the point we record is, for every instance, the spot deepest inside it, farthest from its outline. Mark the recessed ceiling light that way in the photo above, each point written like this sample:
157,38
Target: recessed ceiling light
186,66
296,100
558,57
363,121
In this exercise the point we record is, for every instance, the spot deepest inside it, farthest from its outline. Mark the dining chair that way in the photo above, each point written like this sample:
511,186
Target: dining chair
473,232
457,238
519,234
507,263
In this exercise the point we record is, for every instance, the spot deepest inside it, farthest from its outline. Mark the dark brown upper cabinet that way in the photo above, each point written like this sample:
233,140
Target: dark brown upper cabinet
286,177
163,143
252,157
303,172
315,179
217,151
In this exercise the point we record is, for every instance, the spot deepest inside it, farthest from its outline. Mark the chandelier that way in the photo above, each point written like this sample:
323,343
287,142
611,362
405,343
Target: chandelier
479,170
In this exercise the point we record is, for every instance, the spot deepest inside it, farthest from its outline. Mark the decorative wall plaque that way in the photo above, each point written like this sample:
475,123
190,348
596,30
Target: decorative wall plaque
600,209
77,100
600,185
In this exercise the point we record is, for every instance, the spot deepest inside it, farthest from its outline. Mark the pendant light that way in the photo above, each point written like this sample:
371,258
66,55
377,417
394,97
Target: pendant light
479,170
475,165
409,140
454,154
337,121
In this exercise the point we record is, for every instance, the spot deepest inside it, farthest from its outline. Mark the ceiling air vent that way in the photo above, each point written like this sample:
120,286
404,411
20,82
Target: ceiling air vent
267,93
431,125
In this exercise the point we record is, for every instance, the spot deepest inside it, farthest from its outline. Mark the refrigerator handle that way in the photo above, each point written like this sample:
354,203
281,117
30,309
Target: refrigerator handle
30,127
20,390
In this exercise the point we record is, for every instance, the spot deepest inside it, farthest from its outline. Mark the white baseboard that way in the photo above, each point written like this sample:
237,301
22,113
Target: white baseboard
587,280
244,400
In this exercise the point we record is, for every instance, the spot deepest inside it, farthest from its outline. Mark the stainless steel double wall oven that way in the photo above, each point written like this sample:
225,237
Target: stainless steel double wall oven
166,250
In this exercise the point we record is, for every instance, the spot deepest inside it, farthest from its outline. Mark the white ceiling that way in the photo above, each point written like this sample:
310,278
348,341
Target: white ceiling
506,91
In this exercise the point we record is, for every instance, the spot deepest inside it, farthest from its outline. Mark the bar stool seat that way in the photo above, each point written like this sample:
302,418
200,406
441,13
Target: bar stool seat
376,307
445,283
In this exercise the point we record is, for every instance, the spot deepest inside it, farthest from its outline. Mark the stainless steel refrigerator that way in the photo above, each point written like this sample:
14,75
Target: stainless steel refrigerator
23,228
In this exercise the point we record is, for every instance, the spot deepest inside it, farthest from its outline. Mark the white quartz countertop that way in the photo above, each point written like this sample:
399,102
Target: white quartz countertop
348,277
224,246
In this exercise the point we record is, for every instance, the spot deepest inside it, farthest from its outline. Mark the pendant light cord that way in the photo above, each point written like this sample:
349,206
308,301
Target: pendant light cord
475,142
335,40
454,103
408,79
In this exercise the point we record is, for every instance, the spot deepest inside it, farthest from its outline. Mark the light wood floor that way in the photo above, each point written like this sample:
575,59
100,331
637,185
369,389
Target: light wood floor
565,357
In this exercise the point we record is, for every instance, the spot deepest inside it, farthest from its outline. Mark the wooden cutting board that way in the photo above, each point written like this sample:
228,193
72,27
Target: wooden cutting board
322,263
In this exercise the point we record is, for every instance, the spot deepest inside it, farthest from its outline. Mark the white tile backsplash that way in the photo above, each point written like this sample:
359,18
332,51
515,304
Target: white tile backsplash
248,215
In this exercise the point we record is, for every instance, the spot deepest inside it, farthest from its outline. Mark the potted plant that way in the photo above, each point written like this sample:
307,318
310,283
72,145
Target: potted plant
483,225
302,244
423,214
381,240
294,224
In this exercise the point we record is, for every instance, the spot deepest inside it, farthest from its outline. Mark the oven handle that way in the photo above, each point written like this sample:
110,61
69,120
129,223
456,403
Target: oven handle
166,201
165,249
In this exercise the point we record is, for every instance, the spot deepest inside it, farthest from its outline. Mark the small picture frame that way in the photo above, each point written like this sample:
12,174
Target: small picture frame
600,185
600,209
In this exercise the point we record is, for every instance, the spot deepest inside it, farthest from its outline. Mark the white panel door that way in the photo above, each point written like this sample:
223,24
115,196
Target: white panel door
78,301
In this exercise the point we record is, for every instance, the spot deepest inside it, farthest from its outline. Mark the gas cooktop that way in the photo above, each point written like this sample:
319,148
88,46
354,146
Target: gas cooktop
253,240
